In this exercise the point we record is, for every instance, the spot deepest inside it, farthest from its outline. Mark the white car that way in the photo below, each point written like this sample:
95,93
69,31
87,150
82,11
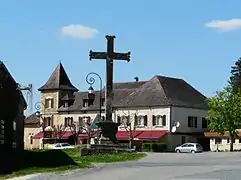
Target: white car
61,146
189,148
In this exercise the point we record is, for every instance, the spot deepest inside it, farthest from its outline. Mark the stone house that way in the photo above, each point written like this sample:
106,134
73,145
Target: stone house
12,117
31,127
222,142
157,104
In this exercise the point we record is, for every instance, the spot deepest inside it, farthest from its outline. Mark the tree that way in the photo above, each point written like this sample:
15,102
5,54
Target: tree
224,113
129,122
235,78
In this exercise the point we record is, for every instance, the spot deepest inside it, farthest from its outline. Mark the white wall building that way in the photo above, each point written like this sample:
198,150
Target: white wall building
157,104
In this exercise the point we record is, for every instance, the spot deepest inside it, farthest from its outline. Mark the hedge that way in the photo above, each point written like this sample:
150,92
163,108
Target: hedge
154,147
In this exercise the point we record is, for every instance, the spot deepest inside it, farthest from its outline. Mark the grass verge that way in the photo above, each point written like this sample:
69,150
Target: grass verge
42,161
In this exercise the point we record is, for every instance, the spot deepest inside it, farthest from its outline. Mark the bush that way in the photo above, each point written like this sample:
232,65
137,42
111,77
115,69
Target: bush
154,147
146,147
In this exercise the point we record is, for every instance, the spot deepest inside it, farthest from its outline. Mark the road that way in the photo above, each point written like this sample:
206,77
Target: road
163,166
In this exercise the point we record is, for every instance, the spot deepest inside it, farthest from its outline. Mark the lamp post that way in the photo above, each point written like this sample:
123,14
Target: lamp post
91,80
38,114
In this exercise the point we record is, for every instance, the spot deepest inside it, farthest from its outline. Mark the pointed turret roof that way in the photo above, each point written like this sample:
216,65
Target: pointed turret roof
59,80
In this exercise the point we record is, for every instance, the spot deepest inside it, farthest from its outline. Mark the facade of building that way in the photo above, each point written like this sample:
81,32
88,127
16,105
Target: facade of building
12,108
152,107
222,142
31,127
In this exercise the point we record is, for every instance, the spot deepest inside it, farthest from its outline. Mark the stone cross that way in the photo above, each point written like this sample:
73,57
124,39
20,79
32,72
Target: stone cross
109,56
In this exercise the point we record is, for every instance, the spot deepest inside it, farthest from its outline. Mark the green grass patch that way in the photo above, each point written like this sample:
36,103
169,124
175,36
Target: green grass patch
39,161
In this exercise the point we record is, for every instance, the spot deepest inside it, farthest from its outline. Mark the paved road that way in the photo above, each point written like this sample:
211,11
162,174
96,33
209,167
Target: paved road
204,166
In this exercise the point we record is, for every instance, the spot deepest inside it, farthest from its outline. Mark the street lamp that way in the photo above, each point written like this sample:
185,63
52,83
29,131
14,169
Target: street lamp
91,80
39,115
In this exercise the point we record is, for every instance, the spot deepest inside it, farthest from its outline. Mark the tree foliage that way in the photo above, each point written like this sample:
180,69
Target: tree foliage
235,78
224,112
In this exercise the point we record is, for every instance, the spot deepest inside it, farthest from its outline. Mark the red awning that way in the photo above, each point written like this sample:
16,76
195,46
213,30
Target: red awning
144,135
38,135
62,135
66,135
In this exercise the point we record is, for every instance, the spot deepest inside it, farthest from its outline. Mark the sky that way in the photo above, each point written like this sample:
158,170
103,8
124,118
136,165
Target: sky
198,41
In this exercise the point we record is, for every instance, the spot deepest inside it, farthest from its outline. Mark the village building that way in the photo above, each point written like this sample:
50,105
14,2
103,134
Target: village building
222,142
153,107
12,117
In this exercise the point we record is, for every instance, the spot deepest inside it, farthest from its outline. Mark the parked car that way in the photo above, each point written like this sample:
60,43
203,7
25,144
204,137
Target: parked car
189,148
61,146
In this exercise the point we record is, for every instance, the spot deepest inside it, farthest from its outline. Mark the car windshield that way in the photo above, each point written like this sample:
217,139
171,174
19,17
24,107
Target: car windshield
65,144
198,145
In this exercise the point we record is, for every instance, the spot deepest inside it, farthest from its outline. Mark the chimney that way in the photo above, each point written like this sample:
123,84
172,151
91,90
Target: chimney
136,78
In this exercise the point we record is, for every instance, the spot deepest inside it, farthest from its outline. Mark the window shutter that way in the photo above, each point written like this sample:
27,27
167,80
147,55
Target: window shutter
164,121
195,122
46,103
118,119
145,120
65,122
135,120
153,120
189,121
52,103
128,120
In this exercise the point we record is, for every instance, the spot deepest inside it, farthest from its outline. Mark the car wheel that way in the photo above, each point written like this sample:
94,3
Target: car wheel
178,151
193,152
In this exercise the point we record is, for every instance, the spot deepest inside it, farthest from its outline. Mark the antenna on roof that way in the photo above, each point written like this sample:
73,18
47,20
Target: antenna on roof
136,78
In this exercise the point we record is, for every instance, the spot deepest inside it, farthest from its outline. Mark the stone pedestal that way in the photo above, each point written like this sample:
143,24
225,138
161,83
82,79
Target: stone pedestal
109,130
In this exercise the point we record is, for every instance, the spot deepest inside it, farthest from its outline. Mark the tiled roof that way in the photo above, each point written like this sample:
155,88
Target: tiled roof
59,80
32,120
158,91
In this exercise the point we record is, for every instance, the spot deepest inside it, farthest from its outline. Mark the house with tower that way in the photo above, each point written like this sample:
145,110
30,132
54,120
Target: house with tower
159,109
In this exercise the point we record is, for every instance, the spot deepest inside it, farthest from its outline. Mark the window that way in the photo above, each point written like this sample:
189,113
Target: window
85,103
66,104
49,102
14,125
14,145
184,145
31,139
218,140
68,121
142,120
87,120
183,139
125,120
192,121
47,121
2,125
204,123
102,102
159,120
119,120
190,145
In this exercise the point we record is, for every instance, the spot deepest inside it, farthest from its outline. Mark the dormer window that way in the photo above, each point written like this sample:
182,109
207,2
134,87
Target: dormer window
102,102
85,103
49,102
66,104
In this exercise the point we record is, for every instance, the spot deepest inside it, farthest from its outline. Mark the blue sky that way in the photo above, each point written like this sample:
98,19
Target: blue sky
171,38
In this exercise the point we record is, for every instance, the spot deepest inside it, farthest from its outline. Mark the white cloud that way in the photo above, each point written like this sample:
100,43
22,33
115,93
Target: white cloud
79,31
225,25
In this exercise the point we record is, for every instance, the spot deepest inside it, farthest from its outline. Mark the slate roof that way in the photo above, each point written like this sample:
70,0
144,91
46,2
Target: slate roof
161,90
6,79
32,121
158,91
59,80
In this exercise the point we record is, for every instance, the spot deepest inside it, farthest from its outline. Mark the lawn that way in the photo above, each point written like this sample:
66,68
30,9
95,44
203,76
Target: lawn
40,161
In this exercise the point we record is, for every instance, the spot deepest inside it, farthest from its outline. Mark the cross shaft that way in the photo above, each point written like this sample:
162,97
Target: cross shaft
109,56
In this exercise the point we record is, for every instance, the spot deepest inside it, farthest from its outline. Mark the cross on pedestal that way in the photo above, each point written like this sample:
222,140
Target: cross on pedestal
109,56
